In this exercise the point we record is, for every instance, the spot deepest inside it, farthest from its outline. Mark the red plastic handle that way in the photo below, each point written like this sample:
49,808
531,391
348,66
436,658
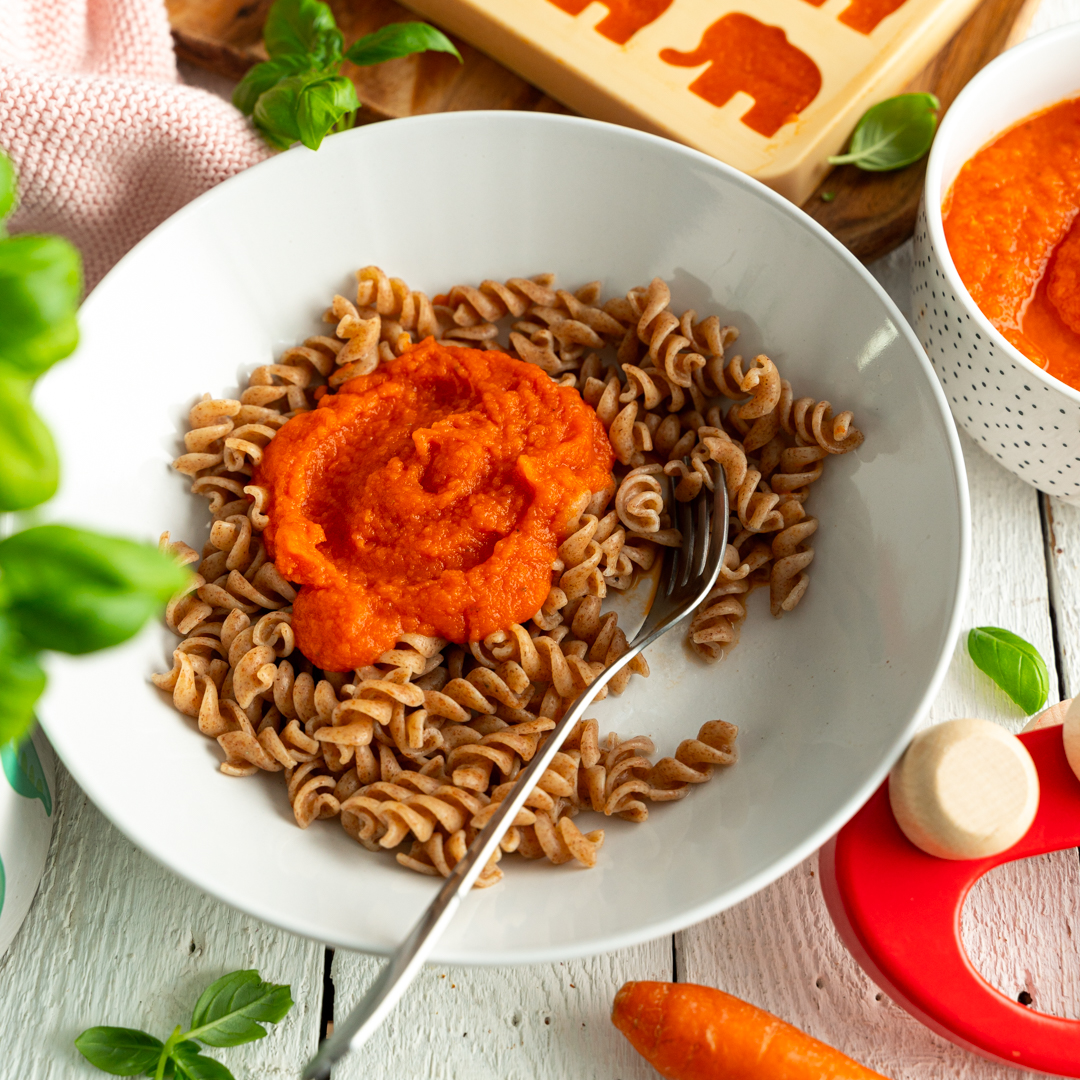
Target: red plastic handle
898,911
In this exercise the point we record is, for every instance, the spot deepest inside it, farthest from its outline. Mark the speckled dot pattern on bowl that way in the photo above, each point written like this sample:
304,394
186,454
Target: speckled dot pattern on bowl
1023,421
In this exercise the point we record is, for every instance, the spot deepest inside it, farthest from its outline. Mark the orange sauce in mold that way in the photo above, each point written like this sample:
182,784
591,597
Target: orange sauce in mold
864,15
1012,223
624,18
744,54
427,497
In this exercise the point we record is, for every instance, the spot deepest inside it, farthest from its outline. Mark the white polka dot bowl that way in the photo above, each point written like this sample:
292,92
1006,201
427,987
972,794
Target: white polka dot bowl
1028,420
27,792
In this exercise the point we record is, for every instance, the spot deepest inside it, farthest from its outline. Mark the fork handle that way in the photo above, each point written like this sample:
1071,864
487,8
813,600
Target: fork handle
409,956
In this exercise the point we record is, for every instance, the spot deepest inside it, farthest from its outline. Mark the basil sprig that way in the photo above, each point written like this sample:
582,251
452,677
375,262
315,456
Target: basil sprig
230,1011
1013,663
40,282
60,588
22,681
29,467
894,133
8,198
299,94
77,591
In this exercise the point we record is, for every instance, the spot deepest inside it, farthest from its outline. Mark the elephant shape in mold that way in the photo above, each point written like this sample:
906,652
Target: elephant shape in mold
747,55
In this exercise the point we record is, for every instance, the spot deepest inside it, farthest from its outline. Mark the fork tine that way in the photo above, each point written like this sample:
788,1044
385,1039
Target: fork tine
684,518
669,568
672,557
720,508
409,957
704,509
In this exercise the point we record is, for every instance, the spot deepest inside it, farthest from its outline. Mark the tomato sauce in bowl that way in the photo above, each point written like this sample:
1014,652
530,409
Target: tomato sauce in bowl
1013,229
428,497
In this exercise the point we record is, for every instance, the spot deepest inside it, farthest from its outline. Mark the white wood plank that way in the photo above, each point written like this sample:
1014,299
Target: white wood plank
546,1020
1024,939
1008,588
780,950
113,938
1063,525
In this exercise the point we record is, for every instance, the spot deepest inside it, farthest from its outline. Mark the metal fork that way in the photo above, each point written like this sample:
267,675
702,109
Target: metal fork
689,572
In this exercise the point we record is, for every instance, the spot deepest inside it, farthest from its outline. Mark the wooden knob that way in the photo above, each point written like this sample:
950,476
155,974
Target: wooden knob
1070,734
1048,717
966,789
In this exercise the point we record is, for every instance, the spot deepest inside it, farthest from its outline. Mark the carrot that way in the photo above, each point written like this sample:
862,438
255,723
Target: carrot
689,1032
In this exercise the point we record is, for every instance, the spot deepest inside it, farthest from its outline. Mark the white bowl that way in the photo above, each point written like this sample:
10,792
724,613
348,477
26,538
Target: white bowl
825,698
27,790
1023,416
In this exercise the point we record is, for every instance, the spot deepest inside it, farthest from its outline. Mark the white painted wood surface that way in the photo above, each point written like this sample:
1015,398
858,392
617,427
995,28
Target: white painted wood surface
549,1020
113,938
779,949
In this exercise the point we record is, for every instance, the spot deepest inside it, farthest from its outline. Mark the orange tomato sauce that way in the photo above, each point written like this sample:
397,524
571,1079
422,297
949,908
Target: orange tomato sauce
1011,223
427,497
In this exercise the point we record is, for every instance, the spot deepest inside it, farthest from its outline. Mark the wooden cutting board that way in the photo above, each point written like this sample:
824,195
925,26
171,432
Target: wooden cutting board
871,213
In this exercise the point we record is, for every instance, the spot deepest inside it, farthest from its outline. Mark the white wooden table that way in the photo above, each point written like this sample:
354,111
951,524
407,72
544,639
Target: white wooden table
113,938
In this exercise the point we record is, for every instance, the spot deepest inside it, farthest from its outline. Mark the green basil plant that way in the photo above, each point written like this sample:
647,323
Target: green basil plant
894,133
230,1012
1013,663
61,588
299,94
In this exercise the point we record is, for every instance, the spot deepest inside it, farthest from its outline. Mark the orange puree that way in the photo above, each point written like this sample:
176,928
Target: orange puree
1063,279
1007,222
427,497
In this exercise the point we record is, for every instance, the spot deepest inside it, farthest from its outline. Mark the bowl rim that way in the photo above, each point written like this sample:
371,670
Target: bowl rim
1021,56
308,927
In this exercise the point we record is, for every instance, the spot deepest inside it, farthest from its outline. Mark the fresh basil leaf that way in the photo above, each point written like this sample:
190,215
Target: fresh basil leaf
8,189
192,1065
228,1011
22,682
168,1073
263,77
78,591
399,39
29,467
1013,663
275,112
321,105
40,283
303,28
894,133
173,1047
120,1051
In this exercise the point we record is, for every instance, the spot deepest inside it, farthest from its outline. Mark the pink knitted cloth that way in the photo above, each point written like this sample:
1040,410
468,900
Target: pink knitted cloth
106,140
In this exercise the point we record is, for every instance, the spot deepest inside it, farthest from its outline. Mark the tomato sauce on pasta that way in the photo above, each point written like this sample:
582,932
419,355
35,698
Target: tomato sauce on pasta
428,497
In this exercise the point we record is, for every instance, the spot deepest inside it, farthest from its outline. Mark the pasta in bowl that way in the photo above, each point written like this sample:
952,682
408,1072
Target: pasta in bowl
435,492
822,699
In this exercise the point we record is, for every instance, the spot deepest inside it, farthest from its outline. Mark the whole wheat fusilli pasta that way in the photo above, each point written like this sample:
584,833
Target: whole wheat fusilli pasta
414,752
